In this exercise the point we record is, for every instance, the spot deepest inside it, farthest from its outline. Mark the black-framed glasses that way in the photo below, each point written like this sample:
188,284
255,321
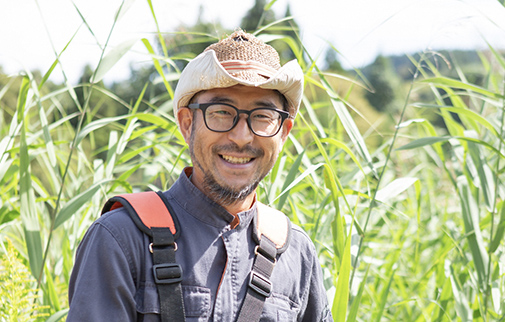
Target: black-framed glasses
222,117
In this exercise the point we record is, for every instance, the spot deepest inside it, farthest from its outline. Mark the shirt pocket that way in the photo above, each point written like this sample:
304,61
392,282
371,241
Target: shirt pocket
196,302
278,307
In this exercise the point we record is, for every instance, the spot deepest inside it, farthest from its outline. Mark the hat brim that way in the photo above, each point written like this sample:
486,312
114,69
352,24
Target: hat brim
206,72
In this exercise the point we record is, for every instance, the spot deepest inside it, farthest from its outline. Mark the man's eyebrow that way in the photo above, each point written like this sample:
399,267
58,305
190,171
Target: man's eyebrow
265,104
221,99
258,103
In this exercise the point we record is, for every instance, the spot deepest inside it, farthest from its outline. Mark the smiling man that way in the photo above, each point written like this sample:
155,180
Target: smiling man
236,258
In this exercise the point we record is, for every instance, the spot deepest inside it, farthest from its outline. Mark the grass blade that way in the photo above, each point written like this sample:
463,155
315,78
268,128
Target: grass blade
444,81
470,213
353,132
111,59
27,197
339,308
74,204
384,296
395,188
500,231
353,312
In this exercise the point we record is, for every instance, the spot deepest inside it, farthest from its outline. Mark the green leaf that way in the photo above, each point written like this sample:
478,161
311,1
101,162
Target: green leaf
5,162
74,204
384,297
500,231
485,178
353,312
26,194
157,64
269,5
474,116
51,291
395,188
344,148
353,132
47,136
58,316
111,59
22,97
95,125
423,142
123,9
461,302
339,309
34,247
289,180
445,298
444,81
338,234
470,214
155,119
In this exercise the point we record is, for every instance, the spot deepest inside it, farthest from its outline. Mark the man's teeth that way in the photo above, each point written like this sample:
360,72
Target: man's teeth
235,160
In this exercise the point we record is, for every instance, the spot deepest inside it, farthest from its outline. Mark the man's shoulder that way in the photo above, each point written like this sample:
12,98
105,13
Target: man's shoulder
299,234
118,222
301,242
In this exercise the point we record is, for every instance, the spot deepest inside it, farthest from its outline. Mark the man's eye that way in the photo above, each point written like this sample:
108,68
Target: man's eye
264,116
222,112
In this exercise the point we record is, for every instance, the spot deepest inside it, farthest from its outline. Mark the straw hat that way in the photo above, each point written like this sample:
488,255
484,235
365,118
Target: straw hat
240,59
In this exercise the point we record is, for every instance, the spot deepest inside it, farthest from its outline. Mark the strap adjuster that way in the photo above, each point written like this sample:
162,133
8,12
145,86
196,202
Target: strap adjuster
167,273
260,284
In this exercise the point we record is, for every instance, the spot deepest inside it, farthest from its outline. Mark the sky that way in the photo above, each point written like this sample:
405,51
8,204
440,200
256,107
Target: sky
32,32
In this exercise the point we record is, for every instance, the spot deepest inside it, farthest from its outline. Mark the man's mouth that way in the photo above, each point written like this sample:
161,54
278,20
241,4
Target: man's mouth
235,160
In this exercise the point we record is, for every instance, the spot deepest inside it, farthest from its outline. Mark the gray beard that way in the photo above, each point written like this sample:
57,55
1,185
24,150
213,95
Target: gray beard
226,196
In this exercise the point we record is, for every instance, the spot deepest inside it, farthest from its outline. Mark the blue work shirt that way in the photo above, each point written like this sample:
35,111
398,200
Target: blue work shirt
112,278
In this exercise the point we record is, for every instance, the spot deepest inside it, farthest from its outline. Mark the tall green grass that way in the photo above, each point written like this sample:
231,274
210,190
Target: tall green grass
409,229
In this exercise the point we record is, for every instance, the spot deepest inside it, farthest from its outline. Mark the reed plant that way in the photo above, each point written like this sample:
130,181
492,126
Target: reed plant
409,228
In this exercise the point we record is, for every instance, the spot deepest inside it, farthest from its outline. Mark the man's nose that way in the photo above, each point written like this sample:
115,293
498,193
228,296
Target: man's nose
241,134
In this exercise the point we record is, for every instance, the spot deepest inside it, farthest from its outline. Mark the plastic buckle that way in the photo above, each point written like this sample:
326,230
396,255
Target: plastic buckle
167,273
260,284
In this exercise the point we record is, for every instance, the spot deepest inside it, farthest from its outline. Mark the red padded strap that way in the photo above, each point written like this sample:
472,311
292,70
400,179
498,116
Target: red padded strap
150,208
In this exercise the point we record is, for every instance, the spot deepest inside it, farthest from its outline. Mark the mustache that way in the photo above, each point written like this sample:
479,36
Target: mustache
233,147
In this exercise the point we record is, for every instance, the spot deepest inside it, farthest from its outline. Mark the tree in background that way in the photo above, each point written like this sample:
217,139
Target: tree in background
257,16
332,62
384,84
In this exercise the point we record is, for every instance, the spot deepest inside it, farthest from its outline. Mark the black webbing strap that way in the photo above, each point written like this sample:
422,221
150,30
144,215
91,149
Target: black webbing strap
167,274
260,286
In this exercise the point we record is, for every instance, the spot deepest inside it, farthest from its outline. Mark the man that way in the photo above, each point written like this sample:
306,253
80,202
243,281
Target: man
235,107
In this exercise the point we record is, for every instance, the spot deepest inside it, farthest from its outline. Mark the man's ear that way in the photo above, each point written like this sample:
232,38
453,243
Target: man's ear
286,128
185,118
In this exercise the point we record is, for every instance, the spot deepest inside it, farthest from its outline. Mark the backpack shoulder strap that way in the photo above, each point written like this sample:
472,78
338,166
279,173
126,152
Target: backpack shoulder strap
274,225
147,209
153,215
272,231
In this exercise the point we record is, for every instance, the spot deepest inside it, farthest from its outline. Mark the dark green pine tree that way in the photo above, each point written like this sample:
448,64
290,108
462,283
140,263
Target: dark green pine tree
257,16
380,78
332,62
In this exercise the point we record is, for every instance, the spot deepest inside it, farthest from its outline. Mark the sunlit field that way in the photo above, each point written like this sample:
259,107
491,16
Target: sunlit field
405,205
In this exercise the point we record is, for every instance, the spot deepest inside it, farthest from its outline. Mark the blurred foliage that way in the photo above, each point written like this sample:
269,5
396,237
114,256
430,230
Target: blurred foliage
403,199
18,297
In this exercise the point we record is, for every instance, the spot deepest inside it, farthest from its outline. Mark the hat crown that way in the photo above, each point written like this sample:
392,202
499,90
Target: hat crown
245,47
240,59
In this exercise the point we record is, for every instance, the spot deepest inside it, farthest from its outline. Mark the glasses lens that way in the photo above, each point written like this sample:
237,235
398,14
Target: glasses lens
220,117
265,122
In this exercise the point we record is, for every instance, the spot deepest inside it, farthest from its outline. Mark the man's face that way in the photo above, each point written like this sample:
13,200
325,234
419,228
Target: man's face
228,166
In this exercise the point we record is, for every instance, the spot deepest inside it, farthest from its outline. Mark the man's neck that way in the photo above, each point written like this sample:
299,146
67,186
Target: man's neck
241,206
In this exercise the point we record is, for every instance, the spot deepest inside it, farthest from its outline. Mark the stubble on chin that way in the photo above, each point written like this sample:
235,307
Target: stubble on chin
226,196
